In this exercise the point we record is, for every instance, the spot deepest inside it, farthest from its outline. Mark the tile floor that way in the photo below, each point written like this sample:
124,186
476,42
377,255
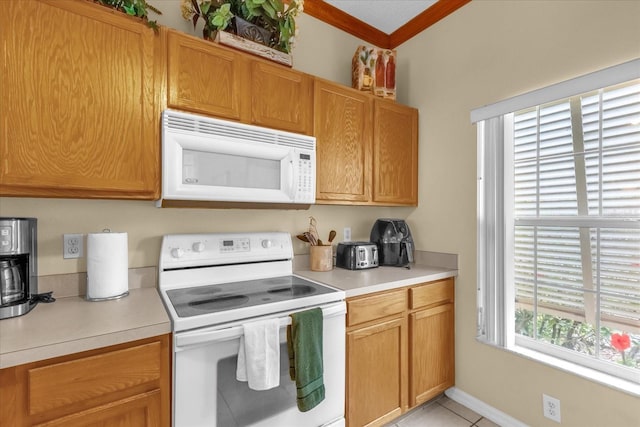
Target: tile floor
442,412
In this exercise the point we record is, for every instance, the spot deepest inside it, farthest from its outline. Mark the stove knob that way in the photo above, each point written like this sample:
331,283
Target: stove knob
177,252
198,247
267,244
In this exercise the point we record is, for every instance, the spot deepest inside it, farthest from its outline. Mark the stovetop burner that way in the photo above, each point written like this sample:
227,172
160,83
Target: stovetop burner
219,302
293,290
205,299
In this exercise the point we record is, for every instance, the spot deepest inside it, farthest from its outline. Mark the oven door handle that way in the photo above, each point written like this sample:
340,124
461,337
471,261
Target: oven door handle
208,336
204,337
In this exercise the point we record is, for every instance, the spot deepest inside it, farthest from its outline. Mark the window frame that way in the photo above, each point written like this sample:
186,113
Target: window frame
496,221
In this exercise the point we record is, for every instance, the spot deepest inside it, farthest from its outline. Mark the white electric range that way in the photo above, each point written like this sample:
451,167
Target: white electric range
212,284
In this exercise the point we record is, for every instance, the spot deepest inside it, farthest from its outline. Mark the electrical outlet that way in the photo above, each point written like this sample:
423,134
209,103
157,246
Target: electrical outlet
72,246
551,408
346,233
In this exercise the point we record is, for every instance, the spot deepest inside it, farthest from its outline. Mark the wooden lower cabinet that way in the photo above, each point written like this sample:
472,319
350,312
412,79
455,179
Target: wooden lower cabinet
126,385
432,352
142,410
377,370
400,351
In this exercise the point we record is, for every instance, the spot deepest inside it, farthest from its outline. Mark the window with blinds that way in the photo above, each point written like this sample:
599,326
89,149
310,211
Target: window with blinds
558,226
574,202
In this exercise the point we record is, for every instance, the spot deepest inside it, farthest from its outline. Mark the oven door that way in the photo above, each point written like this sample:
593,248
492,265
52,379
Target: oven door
206,392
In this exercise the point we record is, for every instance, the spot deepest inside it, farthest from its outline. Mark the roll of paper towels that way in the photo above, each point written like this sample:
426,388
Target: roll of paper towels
107,266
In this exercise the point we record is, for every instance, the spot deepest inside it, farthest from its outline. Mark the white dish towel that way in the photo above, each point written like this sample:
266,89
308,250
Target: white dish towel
259,355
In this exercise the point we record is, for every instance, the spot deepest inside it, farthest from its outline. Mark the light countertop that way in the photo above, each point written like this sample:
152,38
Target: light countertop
360,282
429,266
72,324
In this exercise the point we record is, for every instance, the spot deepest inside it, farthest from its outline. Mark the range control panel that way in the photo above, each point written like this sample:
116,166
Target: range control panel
200,250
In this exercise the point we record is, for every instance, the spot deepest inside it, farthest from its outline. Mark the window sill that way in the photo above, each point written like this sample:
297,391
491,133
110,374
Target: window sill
602,378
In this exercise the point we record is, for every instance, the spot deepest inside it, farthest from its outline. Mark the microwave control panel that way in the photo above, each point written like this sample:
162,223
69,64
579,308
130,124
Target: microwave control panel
306,178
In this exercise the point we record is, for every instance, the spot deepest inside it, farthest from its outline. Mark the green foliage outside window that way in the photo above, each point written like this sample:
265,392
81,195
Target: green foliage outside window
612,345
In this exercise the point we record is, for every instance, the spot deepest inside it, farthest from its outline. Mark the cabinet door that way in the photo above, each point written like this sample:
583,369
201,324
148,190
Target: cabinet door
281,98
343,144
432,352
138,411
77,102
123,385
205,78
376,373
395,154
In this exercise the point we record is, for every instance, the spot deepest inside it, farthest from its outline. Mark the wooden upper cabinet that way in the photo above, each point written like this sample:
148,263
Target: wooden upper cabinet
204,77
343,143
207,78
281,98
367,148
77,102
395,154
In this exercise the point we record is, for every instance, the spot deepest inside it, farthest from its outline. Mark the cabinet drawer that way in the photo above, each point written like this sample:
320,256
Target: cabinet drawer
62,384
431,293
368,308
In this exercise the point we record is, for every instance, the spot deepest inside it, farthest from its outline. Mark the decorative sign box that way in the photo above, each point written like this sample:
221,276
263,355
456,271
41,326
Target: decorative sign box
374,70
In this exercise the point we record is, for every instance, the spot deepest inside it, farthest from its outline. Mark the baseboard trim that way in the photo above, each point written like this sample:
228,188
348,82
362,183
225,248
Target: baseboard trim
482,408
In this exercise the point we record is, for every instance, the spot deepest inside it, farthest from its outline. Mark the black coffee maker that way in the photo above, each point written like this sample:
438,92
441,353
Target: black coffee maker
18,266
394,241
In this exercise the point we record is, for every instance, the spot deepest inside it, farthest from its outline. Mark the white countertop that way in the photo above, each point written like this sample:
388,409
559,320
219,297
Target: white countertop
360,282
72,324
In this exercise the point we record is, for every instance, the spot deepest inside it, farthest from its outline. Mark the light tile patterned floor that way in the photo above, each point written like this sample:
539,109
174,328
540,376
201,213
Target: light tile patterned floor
442,412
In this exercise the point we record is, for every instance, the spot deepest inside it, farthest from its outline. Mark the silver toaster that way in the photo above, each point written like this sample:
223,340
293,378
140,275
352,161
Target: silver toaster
357,255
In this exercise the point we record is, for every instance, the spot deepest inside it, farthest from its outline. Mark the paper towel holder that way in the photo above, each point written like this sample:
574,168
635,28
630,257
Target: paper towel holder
122,295
106,298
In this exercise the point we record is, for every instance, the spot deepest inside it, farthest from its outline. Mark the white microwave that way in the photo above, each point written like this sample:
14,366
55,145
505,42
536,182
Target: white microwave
207,161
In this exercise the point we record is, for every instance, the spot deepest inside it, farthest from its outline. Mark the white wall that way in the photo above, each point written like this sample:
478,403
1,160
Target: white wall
482,53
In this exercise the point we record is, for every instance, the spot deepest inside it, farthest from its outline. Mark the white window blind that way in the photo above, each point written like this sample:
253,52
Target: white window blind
559,223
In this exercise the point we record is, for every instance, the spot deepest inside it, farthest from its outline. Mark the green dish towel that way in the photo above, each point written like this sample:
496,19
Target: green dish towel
304,342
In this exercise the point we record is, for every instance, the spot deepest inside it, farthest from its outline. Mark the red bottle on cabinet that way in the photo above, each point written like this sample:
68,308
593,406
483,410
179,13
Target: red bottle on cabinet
390,77
379,81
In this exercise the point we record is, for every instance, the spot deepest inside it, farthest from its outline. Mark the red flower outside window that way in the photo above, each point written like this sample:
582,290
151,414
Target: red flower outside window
620,342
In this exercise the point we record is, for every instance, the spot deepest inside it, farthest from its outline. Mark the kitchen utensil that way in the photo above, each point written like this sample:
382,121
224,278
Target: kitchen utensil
311,238
332,235
312,229
303,238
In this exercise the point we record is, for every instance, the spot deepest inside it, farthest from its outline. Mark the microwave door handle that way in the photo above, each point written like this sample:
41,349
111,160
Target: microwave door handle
196,338
292,179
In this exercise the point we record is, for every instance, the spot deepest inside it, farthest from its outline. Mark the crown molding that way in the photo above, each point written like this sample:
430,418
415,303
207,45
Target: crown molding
357,28
345,22
423,21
